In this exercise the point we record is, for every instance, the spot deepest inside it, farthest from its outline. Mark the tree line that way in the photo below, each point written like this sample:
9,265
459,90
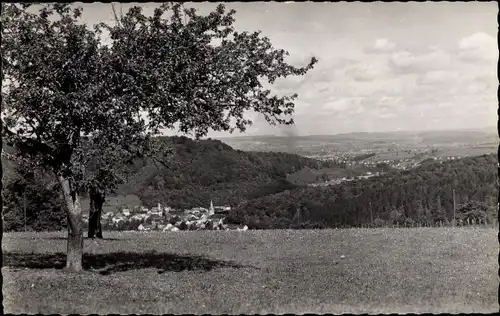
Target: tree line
198,171
205,170
419,197
255,185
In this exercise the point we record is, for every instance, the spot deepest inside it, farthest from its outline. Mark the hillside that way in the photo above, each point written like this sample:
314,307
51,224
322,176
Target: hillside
421,196
268,190
206,170
199,171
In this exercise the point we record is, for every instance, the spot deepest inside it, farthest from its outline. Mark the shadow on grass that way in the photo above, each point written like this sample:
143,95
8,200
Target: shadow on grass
85,238
110,263
66,238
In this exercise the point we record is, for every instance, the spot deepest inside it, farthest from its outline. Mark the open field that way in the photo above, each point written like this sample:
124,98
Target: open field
381,271
391,156
469,151
308,175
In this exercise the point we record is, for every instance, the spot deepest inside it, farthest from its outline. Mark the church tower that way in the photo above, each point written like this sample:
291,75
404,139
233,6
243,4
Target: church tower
211,210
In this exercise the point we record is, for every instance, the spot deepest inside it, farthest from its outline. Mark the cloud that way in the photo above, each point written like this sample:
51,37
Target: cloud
285,85
381,45
361,74
438,77
338,105
479,47
318,79
368,72
343,105
404,62
386,115
381,104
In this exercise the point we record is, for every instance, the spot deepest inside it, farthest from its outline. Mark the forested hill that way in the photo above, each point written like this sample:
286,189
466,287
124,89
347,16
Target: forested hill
422,196
255,185
206,170
199,171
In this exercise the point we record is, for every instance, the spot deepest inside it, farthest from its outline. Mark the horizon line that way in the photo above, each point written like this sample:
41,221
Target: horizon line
348,133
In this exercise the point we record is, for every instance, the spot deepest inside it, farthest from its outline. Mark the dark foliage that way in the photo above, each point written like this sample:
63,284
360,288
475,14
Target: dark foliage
206,170
254,184
198,172
34,191
418,197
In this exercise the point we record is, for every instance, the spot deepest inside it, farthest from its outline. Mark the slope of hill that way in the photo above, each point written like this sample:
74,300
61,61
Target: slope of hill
259,188
206,170
423,195
200,171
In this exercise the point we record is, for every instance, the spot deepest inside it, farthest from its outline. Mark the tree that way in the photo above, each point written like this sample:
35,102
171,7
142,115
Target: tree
438,212
106,170
110,167
64,88
395,215
30,197
57,92
420,213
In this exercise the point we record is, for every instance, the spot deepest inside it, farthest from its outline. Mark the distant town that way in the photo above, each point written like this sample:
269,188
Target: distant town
399,150
164,218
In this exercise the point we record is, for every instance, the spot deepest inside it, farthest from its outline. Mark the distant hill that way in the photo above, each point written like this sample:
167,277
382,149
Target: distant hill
267,189
209,169
200,171
479,132
423,195
446,137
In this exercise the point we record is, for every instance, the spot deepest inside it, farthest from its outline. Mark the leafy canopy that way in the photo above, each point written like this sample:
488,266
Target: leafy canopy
70,102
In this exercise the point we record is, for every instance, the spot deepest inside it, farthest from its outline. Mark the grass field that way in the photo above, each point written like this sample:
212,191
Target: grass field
315,271
308,175
463,152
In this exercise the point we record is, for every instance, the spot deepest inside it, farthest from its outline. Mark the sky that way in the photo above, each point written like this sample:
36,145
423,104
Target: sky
382,66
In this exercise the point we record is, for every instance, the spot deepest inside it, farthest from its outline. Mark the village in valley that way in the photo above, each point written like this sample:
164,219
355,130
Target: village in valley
164,218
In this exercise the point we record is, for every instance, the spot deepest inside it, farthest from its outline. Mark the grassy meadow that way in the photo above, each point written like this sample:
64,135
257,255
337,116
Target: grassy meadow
282,271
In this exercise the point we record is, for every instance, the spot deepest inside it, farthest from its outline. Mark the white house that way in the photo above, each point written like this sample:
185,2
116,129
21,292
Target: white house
117,220
138,217
222,209
108,215
156,211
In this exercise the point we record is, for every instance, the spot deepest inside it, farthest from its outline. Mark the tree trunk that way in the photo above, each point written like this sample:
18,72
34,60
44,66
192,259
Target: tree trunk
95,212
74,254
99,227
92,219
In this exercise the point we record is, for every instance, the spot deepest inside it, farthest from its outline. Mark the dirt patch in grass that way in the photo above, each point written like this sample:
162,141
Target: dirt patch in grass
325,271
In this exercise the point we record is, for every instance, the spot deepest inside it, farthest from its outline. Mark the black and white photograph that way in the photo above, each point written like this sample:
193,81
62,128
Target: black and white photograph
250,157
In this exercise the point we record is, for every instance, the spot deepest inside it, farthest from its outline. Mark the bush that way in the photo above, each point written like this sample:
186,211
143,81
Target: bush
379,223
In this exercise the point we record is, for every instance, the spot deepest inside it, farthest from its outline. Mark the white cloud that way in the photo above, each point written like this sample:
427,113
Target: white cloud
479,47
376,70
387,115
344,105
365,73
405,62
338,105
437,77
381,45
